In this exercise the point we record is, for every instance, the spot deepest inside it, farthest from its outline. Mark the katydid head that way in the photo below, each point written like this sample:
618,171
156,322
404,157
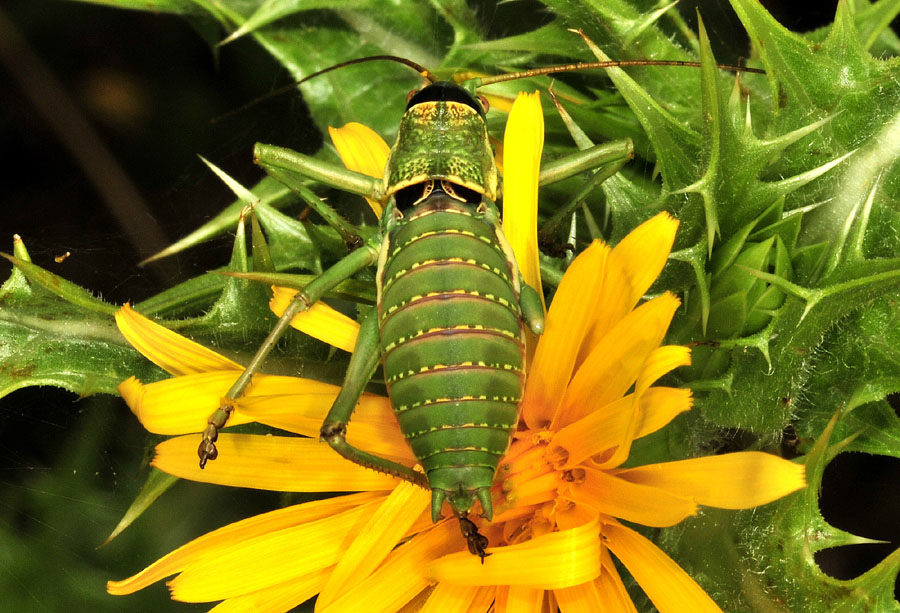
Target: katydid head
443,138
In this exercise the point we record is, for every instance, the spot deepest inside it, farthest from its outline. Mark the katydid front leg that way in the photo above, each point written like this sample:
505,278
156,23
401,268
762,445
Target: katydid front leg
302,301
272,157
279,158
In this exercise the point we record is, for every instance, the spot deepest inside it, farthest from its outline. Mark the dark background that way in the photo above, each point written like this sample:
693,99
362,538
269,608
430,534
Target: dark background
147,87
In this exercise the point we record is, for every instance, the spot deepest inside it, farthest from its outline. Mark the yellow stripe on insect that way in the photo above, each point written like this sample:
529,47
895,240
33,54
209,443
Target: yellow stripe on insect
442,400
438,367
412,239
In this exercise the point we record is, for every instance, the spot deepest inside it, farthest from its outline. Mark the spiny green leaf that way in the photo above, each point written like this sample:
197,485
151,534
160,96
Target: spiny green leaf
17,287
873,24
60,336
262,259
675,144
551,39
55,284
156,484
267,190
273,10
868,343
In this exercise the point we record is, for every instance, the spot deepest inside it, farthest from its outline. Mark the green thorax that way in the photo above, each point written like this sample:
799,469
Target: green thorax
442,140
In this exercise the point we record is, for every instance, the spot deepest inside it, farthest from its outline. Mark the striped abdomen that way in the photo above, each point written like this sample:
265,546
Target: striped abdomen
451,340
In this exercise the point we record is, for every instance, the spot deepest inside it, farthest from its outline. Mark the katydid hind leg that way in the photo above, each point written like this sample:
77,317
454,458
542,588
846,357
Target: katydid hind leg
363,362
302,301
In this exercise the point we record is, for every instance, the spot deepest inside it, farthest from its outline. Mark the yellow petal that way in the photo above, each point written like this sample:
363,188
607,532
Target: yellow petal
521,599
270,559
523,142
606,427
372,428
614,593
219,541
277,463
483,600
730,481
320,321
643,253
584,598
363,150
383,530
297,413
564,332
615,362
448,598
500,598
183,404
402,576
670,588
645,505
551,561
633,266
281,597
611,304
179,405
530,490
167,349
570,514
660,361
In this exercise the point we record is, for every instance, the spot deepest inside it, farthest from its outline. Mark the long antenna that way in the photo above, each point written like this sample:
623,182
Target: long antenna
432,78
423,72
535,72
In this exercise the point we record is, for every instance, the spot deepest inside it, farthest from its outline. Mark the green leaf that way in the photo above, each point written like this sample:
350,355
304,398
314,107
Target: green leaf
63,338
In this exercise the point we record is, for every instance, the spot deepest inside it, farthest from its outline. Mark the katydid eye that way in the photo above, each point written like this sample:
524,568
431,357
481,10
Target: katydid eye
484,103
411,93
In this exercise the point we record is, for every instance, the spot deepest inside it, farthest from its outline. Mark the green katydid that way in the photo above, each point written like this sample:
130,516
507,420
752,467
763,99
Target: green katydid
451,305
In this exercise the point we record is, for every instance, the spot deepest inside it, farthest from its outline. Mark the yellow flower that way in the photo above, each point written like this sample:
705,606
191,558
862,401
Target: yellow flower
559,495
